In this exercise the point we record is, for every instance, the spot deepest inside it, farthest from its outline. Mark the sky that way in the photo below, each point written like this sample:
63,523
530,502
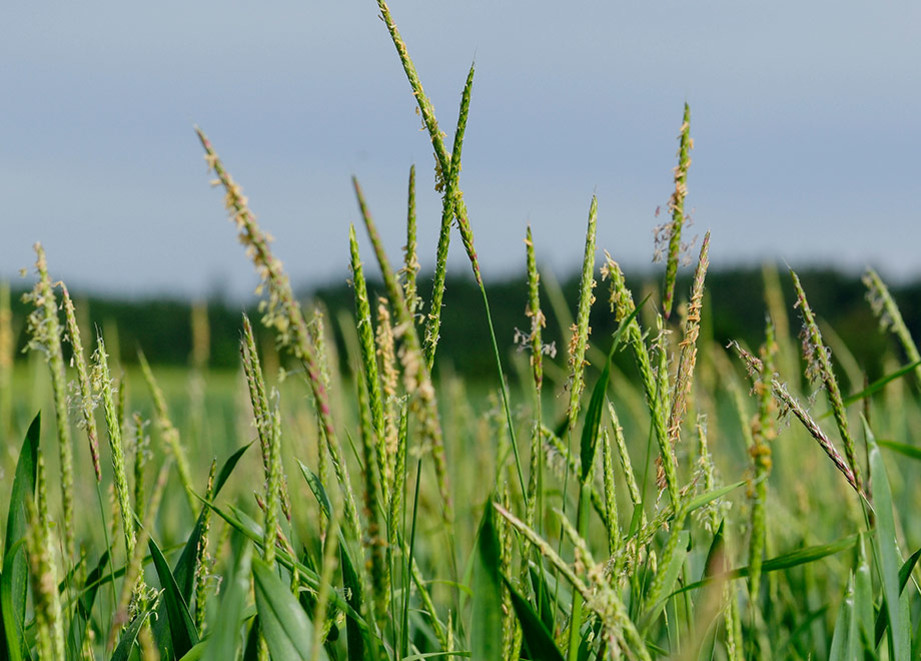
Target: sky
804,118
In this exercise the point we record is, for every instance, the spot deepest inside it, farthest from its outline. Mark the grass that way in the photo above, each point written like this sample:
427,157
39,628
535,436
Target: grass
383,510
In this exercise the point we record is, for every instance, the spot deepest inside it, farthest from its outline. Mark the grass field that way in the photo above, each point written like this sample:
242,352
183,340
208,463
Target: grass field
709,502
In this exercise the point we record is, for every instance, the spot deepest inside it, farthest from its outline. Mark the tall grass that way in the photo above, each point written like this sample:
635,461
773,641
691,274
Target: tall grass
662,512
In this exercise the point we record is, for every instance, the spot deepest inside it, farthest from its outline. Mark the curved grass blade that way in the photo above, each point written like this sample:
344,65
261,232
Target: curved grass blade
352,583
842,642
903,449
863,600
196,653
84,606
486,627
285,626
887,552
183,635
184,570
904,574
879,384
226,638
795,558
15,574
669,577
706,498
129,635
316,486
536,638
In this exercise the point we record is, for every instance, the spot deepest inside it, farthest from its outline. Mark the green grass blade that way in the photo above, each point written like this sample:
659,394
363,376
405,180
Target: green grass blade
183,635
536,637
316,487
486,626
903,449
716,555
879,384
129,636
708,497
84,606
15,574
905,570
592,422
226,639
353,594
184,570
841,639
539,586
785,561
196,653
863,600
285,626
887,553
669,577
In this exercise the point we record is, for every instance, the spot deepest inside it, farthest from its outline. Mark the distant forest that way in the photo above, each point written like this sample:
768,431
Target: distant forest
734,309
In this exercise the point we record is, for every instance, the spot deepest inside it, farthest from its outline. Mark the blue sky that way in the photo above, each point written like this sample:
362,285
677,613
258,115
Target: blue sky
804,115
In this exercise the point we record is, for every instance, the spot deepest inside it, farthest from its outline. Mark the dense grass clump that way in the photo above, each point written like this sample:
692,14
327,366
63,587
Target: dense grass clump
645,493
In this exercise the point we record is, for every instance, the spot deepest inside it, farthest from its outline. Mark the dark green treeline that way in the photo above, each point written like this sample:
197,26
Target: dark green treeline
734,309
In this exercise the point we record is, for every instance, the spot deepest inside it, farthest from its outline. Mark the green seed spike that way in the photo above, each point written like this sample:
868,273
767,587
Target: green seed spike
45,336
414,365
676,206
368,353
104,383
87,404
579,340
451,188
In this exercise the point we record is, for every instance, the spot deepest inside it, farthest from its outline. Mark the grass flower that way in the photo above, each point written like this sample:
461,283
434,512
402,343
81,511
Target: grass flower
44,330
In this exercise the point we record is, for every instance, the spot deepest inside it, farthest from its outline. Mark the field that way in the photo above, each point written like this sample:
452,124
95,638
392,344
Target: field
644,494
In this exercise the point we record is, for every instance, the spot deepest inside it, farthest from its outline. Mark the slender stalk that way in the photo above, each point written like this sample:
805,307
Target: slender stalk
103,383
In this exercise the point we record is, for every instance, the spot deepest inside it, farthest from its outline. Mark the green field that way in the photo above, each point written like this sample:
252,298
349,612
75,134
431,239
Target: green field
642,492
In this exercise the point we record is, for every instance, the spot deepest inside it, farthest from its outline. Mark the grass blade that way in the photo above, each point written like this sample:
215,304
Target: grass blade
225,640
903,449
130,634
536,638
887,552
789,560
486,627
183,635
285,625
84,605
15,576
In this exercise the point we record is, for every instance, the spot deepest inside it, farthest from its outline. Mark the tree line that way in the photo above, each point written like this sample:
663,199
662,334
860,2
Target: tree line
734,309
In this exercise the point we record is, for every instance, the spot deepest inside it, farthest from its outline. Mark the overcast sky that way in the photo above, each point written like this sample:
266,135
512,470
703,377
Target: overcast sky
805,117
